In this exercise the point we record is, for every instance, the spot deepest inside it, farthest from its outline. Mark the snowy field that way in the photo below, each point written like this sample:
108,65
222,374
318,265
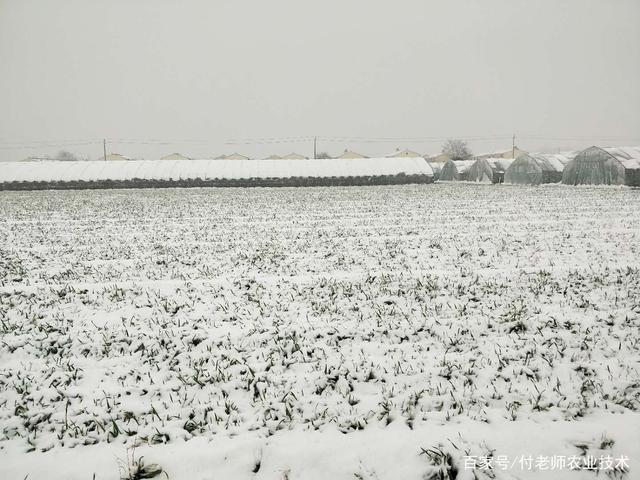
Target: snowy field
412,332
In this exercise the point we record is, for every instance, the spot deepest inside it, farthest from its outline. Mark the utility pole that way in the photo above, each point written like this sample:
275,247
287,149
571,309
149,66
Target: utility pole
513,146
315,142
104,148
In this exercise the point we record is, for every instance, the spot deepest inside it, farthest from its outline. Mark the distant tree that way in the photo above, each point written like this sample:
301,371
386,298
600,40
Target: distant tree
323,155
65,156
457,149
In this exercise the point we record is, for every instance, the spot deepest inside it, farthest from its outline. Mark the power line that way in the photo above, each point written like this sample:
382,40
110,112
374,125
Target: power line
47,145
38,144
344,139
65,141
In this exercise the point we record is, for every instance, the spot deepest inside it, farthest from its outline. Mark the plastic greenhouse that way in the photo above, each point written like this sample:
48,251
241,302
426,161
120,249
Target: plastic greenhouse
488,170
213,173
437,168
455,170
537,168
604,166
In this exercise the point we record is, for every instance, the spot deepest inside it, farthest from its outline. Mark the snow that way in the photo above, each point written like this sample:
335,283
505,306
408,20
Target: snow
463,165
209,169
624,153
322,333
499,164
629,157
630,164
436,167
551,161
375,453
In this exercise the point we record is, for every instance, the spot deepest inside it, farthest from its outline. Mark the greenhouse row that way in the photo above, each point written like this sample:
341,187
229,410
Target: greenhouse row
213,173
592,166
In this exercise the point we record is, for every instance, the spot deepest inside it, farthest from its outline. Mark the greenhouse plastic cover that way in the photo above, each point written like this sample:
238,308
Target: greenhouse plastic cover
463,165
436,167
488,170
629,157
537,168
552,161
52,171
453,170
608,166
499,164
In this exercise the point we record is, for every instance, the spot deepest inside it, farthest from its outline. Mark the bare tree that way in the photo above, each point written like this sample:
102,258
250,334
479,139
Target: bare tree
457,149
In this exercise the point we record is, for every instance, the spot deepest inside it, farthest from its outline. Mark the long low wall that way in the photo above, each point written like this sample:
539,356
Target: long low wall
398,179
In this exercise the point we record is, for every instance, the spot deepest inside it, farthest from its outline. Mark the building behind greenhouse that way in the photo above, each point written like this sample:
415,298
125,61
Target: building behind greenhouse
294,156
488,170
604,166
175,156
233,156
537,168
349,154
441,157
512,153
455,170
404,153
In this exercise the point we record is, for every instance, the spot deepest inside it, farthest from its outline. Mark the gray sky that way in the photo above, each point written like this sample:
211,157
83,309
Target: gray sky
558,73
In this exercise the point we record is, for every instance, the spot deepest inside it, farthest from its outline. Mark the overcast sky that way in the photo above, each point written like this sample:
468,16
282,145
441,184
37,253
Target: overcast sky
557,73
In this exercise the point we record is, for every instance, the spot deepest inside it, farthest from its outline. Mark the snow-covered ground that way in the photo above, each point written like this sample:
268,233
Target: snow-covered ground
370,332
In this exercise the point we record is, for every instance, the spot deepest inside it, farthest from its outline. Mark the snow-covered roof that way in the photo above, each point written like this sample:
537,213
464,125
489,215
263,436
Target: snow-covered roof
629,157
175,156
404,153
500,164
232,156
624,153
351,154
501,154
463,165
209,169
553,162
294,156
436,166
488,155
438,157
